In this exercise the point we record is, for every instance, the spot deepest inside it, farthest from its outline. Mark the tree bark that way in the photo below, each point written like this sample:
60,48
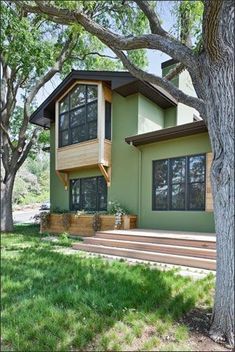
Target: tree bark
6,203
218,85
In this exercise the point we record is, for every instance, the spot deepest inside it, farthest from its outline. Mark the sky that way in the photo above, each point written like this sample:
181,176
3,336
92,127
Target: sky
155,57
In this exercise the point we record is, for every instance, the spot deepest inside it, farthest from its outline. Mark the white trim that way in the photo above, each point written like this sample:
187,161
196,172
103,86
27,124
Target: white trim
94,83
101,122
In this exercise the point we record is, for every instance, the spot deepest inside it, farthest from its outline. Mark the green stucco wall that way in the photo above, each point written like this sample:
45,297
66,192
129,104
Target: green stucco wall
200,221
183,82
170,117
150,115
124,179
59,198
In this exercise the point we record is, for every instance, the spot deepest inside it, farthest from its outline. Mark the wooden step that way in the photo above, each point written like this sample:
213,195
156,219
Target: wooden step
160,239
202,263
153,247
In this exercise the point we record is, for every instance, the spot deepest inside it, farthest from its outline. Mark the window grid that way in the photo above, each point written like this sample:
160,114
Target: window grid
79,125
187,184
79,193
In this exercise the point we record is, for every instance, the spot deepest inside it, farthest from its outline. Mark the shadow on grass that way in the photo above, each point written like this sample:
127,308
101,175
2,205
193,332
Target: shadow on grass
51,301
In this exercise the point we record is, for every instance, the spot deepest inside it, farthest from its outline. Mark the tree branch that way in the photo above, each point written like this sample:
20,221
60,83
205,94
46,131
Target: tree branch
27,148
64,54
196,103
154,21
7,136
175,71
93,53
166,44
5,158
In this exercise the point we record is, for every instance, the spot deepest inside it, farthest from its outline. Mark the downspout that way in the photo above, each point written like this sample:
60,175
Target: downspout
139,186
139,182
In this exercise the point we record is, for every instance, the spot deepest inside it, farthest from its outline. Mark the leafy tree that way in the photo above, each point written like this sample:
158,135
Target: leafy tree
210,64
33,50
32,180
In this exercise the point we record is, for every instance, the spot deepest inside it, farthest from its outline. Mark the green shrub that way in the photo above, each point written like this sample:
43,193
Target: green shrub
64,240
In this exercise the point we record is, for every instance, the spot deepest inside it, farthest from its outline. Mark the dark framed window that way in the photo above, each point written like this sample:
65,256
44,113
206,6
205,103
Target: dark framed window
89,194
78,115
179,183
108,127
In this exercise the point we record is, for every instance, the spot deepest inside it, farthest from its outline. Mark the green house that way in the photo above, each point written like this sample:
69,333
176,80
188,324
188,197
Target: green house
116,138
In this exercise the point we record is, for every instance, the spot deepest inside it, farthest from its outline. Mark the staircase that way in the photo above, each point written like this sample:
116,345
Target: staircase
177,248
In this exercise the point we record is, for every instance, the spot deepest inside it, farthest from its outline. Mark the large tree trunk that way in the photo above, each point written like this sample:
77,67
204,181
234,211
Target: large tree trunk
219,92
6,203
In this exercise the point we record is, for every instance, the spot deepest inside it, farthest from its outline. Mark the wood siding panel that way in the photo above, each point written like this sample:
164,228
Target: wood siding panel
107,93
78,155
107,152
209,199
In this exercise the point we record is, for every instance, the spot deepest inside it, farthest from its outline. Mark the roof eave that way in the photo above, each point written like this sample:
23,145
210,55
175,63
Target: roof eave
167,133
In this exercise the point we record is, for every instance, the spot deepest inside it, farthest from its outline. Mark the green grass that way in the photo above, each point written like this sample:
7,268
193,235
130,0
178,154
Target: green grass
56,302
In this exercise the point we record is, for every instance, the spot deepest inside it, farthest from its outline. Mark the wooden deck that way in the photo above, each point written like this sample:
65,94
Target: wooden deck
171,247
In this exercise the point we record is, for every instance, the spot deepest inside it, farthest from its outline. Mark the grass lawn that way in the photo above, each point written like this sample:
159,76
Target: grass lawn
57,302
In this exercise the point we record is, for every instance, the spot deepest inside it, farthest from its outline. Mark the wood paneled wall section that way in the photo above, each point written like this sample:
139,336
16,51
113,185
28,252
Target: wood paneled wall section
78,155
209,200
107,152
107,93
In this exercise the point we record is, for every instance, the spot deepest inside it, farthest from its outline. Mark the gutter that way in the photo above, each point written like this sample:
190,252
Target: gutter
167,133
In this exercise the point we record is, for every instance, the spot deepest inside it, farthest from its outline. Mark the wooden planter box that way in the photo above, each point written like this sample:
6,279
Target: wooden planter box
81,225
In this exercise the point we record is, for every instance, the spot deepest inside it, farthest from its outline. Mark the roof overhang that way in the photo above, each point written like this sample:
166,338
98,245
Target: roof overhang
121,82
187,129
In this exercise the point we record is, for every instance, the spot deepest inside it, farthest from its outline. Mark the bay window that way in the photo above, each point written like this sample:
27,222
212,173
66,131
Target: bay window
78,115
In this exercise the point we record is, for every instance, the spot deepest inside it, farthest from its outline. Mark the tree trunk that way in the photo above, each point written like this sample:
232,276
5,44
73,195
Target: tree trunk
219,93
6,203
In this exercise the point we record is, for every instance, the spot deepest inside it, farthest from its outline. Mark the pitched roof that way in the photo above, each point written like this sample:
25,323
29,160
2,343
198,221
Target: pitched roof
121,82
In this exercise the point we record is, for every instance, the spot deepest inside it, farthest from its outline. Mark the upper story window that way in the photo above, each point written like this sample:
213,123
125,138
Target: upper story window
179,183
78,115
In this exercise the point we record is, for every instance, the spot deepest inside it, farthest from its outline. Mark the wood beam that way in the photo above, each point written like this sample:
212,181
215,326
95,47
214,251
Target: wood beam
106,173
64,178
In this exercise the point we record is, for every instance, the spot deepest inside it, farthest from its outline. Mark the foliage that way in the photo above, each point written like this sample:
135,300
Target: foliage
96,222
64,240
32,181
189,21
66,220
116,208
45,219
84,303
15,125
26,186
57,210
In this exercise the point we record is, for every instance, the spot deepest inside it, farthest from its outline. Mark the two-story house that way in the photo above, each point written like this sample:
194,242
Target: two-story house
116,138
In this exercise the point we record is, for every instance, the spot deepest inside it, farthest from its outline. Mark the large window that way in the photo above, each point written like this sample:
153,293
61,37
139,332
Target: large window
179,183
89,194
78,115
